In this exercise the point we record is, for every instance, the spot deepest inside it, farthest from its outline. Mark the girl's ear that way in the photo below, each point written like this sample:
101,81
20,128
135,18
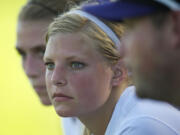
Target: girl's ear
120,73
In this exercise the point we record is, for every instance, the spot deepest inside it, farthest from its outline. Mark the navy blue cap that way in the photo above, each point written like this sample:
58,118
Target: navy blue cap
124,9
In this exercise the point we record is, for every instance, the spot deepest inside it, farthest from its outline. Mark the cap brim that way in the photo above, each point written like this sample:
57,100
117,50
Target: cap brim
118,11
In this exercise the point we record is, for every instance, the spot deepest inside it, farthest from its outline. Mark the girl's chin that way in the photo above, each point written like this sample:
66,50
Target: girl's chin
65,114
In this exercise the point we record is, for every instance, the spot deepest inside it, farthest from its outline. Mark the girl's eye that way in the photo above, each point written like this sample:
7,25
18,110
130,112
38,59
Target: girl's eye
49,65
77,65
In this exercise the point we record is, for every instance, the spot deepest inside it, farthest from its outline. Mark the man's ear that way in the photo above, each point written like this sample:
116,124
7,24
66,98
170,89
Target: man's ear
120,73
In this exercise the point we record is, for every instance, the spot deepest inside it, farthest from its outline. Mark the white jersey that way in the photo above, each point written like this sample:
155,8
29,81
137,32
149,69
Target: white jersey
135,116
72,126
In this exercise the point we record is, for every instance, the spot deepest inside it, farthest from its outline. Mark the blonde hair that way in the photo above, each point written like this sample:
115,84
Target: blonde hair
73,23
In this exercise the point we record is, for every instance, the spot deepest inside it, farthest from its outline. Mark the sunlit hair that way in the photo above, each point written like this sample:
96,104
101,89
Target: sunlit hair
72,23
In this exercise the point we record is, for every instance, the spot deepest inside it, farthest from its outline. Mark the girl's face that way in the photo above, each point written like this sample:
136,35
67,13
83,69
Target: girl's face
78,78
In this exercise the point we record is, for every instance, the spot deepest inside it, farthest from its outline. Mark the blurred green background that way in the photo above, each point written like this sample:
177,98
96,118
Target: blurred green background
21,113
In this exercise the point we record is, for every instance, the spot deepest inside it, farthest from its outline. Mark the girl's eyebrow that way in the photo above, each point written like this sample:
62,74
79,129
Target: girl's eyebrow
68,58
46,59
71,57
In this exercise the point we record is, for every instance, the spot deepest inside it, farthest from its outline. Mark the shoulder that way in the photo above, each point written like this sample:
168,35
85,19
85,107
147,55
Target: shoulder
147,126
135,116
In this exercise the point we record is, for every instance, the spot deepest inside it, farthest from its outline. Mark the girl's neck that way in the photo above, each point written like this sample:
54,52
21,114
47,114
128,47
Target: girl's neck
98,121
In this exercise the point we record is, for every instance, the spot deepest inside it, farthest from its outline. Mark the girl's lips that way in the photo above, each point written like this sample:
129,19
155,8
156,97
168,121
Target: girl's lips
59,97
